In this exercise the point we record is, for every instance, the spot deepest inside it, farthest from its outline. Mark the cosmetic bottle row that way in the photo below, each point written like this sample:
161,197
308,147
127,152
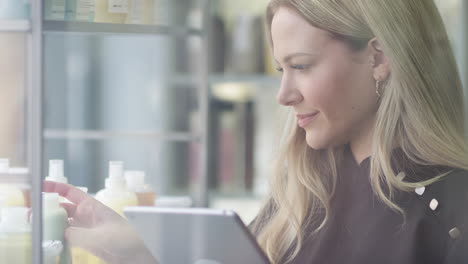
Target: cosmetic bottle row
122,189
109,11
15,233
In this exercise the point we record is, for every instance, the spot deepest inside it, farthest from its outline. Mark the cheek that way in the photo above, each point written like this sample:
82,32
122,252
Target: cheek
343,95
326,90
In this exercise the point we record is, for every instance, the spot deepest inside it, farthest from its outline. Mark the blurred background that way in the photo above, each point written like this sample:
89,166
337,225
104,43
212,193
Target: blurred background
194,109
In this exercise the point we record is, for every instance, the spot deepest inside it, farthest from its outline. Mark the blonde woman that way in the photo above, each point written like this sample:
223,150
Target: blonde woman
373,168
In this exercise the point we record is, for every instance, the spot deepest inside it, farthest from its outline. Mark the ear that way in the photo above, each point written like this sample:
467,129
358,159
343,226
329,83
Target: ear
380,62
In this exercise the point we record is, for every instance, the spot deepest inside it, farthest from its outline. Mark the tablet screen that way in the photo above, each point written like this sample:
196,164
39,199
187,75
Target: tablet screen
195,236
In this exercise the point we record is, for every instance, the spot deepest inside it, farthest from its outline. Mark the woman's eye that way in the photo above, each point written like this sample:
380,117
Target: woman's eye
279,69
300,66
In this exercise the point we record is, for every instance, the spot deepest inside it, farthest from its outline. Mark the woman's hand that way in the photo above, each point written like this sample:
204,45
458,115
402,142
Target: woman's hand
98,229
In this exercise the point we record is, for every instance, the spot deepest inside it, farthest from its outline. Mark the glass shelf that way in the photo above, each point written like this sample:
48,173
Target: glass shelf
52,26
15,25
103,135
254,79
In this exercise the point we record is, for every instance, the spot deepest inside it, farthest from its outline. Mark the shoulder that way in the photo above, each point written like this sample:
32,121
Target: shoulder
446,203
447,199
451,191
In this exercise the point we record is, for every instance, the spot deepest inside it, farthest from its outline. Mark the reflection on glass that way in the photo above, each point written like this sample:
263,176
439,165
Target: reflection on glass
15,201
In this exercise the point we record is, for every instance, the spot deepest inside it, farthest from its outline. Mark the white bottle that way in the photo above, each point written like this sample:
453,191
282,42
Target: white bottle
56,172
15,235
56,175
136,184
10,193
21,177
115,194
55,221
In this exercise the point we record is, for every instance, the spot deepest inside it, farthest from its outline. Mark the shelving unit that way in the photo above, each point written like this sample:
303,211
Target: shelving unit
40,135
53,29
214,79
256,79
105,135
70,27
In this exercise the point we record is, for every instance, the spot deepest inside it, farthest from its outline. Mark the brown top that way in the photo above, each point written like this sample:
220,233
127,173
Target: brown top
364,230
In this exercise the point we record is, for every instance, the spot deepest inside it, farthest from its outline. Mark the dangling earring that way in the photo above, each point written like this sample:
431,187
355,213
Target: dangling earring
377,87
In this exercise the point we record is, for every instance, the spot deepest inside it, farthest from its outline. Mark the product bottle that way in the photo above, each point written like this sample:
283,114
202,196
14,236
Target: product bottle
15,235
56,172
111,11
54,9
22,181
115,195
10,193
70,10
55,221
136,183
79,10
140,12
56,175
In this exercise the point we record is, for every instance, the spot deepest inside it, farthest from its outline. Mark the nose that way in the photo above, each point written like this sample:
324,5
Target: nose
288,93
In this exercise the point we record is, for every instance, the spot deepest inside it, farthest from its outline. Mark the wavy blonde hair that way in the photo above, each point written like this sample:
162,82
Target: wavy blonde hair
420,111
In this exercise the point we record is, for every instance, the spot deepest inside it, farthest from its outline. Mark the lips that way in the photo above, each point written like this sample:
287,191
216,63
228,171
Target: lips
304,120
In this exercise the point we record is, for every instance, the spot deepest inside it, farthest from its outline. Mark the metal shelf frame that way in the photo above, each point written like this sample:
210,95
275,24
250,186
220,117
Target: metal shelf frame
35,124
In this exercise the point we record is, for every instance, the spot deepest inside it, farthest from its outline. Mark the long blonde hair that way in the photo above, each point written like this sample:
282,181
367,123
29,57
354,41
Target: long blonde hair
420,111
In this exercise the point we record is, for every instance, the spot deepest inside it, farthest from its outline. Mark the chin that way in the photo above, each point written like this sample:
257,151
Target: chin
316,142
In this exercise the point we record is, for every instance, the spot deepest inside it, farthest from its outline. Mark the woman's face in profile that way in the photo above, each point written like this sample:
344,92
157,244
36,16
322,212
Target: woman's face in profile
330,87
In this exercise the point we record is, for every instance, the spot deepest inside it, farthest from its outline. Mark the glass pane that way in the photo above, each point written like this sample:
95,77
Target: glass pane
15,201
119,105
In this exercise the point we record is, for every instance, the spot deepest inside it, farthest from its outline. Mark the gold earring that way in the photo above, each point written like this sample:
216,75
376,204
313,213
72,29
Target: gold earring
377,87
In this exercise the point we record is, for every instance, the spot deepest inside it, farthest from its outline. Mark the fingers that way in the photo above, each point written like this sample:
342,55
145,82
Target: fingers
70,208
70,192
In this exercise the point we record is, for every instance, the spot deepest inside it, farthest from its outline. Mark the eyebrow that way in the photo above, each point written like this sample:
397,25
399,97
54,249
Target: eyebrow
292,55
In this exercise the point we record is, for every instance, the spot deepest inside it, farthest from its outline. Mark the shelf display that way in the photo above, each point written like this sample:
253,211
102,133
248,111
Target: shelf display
144,12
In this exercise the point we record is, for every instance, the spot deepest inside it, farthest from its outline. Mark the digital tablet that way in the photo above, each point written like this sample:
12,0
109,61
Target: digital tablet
195,236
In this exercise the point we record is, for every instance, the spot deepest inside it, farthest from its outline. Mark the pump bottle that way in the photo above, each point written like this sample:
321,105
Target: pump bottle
115,194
